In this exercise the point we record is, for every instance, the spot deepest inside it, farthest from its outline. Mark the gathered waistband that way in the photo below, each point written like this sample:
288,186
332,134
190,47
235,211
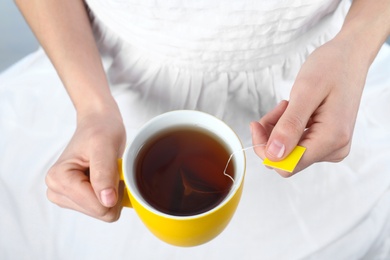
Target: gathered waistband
208,39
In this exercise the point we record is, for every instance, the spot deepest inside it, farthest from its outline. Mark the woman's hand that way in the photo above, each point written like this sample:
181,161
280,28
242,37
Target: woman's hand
325,97
321,112
86,177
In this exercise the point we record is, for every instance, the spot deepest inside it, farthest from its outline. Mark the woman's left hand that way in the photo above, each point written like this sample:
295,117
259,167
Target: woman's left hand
321,112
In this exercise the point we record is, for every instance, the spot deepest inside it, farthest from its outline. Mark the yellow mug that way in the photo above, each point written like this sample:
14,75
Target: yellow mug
183,230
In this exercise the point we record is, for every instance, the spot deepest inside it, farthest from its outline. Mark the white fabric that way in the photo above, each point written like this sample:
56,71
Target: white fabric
236,61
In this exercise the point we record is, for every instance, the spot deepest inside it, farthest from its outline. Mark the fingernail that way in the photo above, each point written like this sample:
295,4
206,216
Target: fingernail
276,149
108,197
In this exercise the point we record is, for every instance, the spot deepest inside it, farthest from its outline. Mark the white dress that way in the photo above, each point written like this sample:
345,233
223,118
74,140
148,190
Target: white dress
234,59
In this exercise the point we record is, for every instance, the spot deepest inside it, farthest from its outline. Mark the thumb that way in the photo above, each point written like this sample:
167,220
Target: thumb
104,176
288,131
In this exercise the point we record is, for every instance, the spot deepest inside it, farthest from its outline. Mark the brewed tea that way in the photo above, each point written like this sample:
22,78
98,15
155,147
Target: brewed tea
180,171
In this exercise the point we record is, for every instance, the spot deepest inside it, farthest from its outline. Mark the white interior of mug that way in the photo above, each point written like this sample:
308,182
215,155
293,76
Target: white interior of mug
187,118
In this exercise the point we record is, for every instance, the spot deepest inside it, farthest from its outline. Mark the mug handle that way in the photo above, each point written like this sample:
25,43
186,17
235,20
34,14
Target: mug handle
125,200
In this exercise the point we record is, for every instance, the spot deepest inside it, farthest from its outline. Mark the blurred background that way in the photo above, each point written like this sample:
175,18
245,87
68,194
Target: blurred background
16,39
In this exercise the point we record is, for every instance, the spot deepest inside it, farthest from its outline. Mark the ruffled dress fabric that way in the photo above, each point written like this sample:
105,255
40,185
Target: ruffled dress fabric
235,60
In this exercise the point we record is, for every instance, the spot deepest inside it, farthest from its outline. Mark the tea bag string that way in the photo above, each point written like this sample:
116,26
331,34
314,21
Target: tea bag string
241,150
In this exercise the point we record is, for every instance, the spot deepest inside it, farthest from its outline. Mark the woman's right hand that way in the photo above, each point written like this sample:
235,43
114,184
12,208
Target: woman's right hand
85,177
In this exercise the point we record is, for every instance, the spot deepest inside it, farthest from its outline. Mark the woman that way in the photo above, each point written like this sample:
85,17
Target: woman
125,62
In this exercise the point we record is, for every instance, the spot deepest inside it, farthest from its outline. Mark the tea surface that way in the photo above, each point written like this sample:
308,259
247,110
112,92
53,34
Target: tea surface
180,171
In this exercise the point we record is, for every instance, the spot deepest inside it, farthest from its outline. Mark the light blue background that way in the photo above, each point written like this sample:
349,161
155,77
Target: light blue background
16,39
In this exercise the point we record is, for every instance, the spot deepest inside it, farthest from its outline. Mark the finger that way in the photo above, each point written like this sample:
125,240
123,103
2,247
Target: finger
66,179
325,144
269,120
104,175
110,215
72,189
290,127
261,130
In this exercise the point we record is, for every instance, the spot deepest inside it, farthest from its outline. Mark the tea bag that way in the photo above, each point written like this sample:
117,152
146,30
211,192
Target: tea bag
202,189
195,185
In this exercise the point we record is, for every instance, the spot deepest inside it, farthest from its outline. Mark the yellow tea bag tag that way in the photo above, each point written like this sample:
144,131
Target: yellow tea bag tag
288,164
